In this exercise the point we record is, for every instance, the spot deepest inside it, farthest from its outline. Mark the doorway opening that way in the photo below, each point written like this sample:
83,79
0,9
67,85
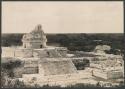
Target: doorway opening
25,46
41,46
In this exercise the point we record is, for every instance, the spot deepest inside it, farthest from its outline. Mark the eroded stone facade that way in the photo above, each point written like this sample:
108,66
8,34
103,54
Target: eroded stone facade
35,39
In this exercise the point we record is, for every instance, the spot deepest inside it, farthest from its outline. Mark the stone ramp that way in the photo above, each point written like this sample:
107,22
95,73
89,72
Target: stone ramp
57,67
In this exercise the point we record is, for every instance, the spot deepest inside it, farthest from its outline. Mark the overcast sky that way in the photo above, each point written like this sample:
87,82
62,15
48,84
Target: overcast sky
63,16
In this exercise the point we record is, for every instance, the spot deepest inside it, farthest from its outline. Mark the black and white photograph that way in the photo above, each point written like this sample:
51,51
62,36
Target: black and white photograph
62,44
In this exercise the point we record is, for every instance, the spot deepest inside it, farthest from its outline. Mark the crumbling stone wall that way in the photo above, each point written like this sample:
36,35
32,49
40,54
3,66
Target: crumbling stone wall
24,53
8,52
30,70
115,74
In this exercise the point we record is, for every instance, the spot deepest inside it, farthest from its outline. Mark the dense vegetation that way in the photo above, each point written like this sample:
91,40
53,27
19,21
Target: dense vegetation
81,64
82,42
7,73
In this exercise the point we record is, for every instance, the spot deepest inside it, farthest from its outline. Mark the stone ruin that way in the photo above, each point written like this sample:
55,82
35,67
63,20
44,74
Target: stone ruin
42,60
49,65
35,39
34,45
102,48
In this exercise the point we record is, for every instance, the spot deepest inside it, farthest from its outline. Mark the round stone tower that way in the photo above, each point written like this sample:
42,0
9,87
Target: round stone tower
35,39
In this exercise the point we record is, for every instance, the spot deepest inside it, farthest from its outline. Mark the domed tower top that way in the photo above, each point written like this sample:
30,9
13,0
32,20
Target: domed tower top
38,30
39,26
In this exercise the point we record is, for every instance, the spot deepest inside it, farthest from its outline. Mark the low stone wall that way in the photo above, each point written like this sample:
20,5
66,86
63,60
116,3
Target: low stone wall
31,62
30,70
19,71
108,74
26,53
115,74
8,52
100,73
62,80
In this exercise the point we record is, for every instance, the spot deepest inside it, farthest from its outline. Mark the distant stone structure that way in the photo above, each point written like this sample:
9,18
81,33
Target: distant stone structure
50,59
101,49
35,39
34,45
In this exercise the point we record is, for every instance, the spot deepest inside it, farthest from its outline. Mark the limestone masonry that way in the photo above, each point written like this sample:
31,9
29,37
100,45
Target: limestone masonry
45,64
35,39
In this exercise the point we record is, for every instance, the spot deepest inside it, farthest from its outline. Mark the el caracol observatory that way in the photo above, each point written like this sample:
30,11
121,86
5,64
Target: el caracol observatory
34,45
42,61
35,39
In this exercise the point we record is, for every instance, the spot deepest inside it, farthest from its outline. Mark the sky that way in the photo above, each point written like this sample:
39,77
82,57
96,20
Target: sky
63,16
